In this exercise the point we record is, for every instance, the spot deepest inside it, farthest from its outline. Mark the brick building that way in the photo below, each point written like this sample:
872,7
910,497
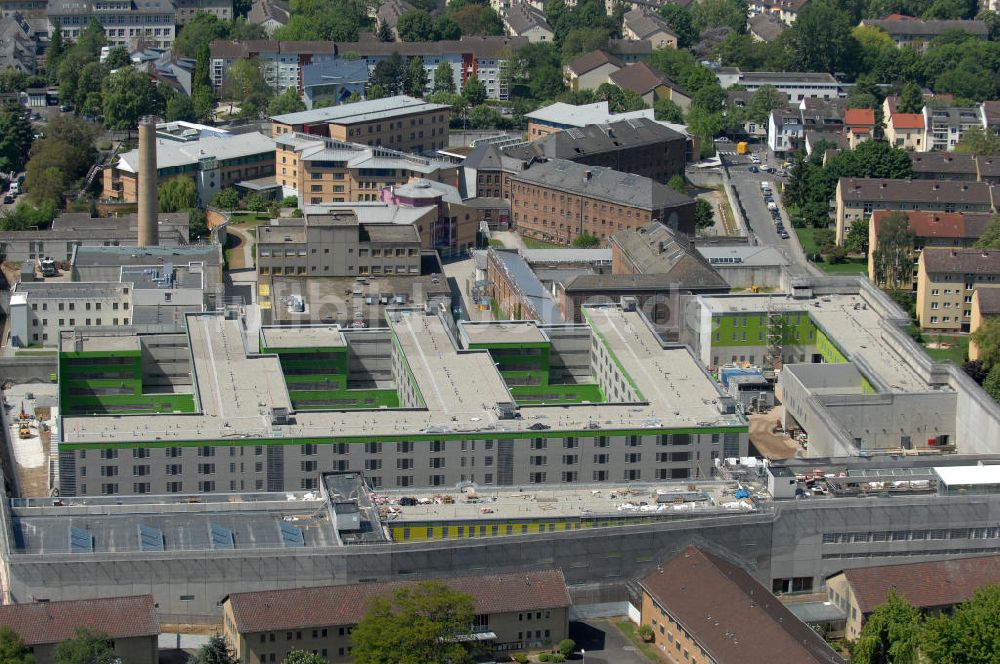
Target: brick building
557,200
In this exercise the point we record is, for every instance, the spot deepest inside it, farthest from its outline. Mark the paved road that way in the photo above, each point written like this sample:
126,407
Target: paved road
747,186
604,643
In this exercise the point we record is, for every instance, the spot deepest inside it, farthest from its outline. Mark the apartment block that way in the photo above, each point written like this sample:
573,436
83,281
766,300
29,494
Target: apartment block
858,198
946,282
943,127
124,21
919,33
512,612
402,123
557,200
220,9
324,170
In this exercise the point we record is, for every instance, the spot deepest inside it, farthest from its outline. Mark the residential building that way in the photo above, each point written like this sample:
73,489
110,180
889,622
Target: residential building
740,99
785,130
512,612
857,198
269,14
558,116
944,166
402,123
919,33
903,130
220,9
333,81
765,27
990,111
280,62
388,14
629,50
797,85
985,306
640,146
557,200
705,609
859,125
929,229
524,20
786,10
946,281
486,172
629,5
932,587
73,229
324,170
943,127
649,84
590,70
642,23
214,159
124,21
130,623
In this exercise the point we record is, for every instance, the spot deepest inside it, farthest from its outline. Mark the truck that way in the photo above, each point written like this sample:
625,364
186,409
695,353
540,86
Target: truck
741,147
765,187
47,267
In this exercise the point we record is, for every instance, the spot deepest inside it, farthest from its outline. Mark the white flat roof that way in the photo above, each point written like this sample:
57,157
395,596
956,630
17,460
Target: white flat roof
968,475
171,153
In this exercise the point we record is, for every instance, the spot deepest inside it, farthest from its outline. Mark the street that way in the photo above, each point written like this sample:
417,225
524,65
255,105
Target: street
747,186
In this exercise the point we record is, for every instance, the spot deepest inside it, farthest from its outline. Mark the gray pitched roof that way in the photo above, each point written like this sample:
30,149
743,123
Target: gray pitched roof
522,17
655,249
593,60
602,183
644,23
961,261
908,26
766,26
916,191
577,142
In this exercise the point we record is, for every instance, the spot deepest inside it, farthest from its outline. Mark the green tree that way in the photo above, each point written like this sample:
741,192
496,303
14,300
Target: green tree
12,648
46,186
416,78
990,239
16,136
226,199
567,647
911,100
202,29
129,95
731,14
197,223
244,82
91,40
86,647
389,75
856,238
256,203
679,20
978,141
117,57
325,20
56,47
992,386
703,214
447,29
384,32
890,634
216,651
476,20
987,338
417,625
287,102
586,241
484,117
677,184
416,25
176,194
666,110
763,101
181,107
584,40
972,632
821,39
302,657
619,100
892,259
474,91
444,78
89,84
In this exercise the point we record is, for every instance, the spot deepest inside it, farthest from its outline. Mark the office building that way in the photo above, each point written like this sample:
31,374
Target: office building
946,281
797,85
124,21
220,9
558,116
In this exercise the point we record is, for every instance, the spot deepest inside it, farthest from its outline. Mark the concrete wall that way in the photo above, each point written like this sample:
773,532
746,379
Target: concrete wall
34,369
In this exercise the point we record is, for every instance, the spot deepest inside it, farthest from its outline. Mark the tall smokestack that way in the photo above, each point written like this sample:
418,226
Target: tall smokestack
148,208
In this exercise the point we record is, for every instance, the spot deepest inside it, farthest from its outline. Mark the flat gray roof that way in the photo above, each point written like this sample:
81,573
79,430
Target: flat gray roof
362,111
69,290
507,332
80,341
210,254
310,336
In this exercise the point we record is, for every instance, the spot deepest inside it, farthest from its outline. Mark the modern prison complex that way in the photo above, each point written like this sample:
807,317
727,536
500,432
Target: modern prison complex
218,458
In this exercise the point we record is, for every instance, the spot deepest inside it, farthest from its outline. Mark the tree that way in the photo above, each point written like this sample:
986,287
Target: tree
719,13
197,223
586,241
417,625
911,100
992,385
384,32
86,647
987,338
287,102
666,110
474,91
821,39
202,29
216,651
415,25
117,57
389,75
16,136
978,141
46,186
178,193
619,100
567,647
181,107
893,257
129,95
677,184
990,239
477,20
227,199
763,101
484,117
302,657
12,648
971,633
444,78
56,47
244,82
447,29
679,20
256,203
890,634
856,238
704,217
416,78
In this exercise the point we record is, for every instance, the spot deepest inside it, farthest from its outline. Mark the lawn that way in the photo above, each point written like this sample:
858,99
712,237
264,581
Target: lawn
255,218
807,241
628,629
849,267
532,243
956,352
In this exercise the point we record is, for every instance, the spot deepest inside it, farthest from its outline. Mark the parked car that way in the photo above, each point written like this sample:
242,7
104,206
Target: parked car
722,139
754,169
8,199
65,108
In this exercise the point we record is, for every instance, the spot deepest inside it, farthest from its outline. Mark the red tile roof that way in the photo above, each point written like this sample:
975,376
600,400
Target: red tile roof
925,585
298,608
859,116
52,622
731,615
924,224
907,120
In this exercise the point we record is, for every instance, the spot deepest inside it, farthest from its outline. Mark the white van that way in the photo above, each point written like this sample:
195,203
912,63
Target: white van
765,187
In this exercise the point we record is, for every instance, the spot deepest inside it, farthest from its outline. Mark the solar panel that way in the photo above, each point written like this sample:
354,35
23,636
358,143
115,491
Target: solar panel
80,541
222,538
291,535
150,539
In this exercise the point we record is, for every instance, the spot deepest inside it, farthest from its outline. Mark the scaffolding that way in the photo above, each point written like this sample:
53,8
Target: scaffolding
775,336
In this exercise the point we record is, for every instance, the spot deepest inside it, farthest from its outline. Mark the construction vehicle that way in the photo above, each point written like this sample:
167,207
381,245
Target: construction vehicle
741,147
23,420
